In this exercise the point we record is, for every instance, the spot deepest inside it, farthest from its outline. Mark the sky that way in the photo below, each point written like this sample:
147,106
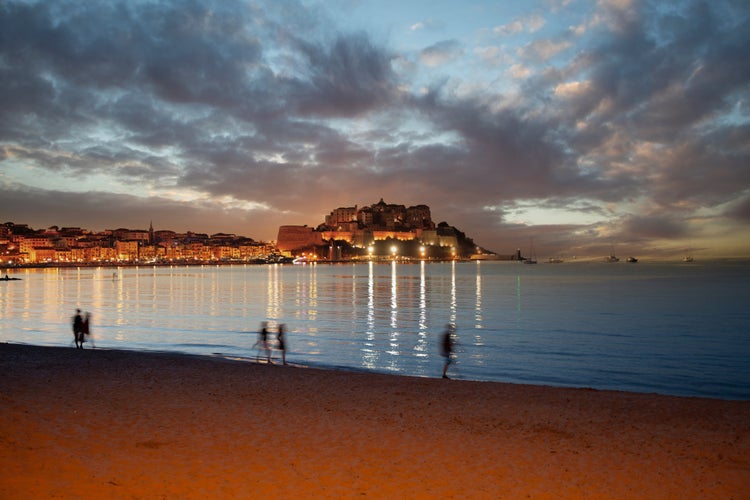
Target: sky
578,127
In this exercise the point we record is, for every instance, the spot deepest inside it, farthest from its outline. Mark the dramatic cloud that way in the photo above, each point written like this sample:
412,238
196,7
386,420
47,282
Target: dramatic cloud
577,124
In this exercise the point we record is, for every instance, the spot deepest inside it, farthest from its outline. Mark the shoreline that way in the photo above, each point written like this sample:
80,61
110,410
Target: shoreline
125,424
455,376
384,260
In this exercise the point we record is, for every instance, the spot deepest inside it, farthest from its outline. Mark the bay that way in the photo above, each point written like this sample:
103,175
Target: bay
669,328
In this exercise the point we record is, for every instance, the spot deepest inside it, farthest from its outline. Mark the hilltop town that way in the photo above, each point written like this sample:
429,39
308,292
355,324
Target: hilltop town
377,231
380,230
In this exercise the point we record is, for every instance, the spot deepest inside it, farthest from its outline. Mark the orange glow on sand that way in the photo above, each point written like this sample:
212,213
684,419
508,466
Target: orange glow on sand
110,424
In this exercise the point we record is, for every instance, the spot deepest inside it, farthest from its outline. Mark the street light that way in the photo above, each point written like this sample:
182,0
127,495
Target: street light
422,251
370,251
393,251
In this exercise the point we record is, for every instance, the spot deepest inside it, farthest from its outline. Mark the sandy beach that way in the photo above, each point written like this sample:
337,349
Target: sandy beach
120,424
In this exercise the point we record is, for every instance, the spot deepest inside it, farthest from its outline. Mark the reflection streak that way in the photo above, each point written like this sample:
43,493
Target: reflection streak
369,354
454,301
421,345
393,340
273,296
478,304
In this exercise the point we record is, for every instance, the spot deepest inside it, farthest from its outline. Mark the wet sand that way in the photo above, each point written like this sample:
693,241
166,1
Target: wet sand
120,424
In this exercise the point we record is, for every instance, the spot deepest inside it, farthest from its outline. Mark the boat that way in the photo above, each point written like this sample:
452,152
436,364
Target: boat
632,260
612,257
8,278
688,255
555,260
532,258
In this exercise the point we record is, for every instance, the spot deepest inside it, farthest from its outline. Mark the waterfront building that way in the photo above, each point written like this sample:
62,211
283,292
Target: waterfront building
364,227
126,250
296,237
342,215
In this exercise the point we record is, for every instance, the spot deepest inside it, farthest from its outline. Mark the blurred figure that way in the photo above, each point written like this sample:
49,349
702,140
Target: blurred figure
78,329
86,331
446,347
262,342
282,343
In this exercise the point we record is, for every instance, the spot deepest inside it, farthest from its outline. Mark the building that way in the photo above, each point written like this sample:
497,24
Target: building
341,215
295,237
362,227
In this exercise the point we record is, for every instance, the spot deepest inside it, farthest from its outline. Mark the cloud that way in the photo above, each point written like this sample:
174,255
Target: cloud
542,50
268,113
509,29
346,78
429,24
520,71
570,90
529,24
441,53
740,210
492,55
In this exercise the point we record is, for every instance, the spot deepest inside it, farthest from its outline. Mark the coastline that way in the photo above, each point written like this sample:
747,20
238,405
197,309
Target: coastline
381,260
124,424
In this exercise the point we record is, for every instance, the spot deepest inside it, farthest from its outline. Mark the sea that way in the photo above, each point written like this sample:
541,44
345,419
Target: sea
653,327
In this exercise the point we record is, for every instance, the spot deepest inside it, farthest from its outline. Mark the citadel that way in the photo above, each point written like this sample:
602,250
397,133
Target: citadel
377,230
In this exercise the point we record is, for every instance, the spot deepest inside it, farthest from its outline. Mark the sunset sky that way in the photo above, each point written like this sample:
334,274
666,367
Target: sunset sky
584,125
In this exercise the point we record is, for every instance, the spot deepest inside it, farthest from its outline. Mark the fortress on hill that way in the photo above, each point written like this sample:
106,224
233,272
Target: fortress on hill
376,230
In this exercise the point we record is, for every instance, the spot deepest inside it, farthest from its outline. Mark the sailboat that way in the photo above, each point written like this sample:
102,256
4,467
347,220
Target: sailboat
612,257
688,256
532,255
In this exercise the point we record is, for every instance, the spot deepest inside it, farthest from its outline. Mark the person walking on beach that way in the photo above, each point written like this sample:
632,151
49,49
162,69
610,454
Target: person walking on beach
78,329
282,343
262,342
86,330
446,347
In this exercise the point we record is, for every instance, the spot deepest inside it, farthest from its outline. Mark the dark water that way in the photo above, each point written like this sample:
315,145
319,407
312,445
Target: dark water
668,328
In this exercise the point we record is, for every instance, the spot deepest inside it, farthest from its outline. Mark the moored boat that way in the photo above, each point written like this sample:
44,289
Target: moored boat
532,253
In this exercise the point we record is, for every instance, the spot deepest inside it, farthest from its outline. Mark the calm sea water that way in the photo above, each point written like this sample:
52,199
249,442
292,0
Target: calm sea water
668,328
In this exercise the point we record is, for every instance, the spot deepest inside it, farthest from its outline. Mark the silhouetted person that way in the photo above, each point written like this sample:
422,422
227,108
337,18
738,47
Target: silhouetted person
78,329
262,342
85,330
282,343
446,347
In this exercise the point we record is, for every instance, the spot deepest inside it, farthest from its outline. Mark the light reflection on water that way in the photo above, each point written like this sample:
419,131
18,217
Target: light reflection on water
649,327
